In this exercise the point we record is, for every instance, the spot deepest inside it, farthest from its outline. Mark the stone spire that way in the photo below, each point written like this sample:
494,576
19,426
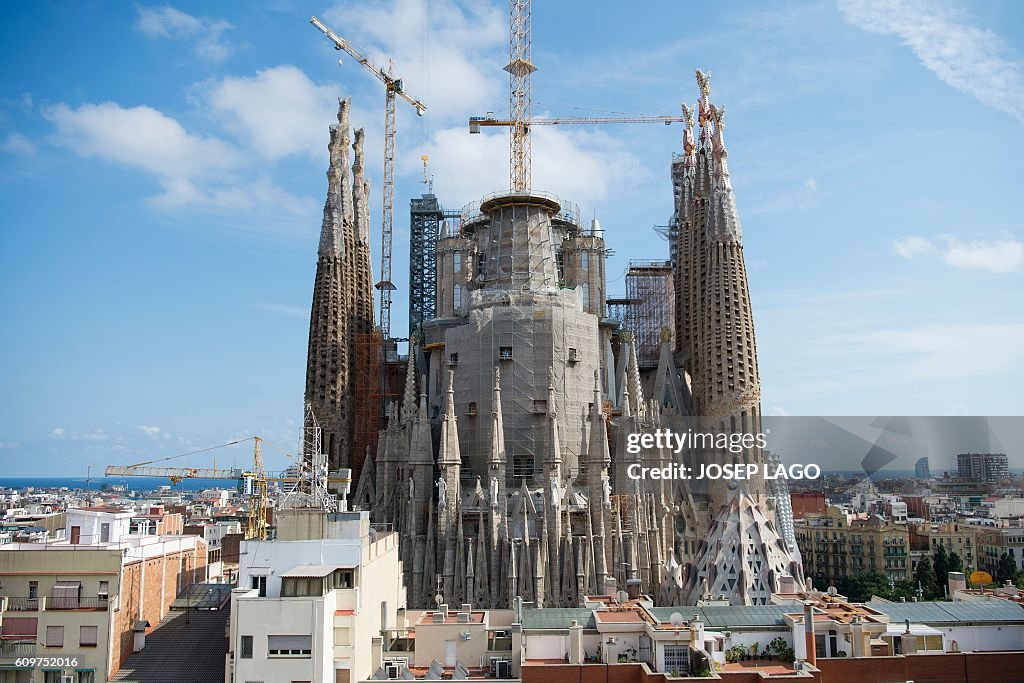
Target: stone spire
496,459
553,462
342,299
409,397
449,453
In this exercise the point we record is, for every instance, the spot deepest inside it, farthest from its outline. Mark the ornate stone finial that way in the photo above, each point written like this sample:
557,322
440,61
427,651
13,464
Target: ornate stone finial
704,82
688,115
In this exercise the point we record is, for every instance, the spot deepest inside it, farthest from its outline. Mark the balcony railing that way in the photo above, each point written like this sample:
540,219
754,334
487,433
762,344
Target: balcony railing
22,604
77,603
15,604
13,649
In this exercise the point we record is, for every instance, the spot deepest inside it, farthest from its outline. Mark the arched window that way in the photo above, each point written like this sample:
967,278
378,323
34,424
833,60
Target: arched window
586,296
584,260
457,260
457,297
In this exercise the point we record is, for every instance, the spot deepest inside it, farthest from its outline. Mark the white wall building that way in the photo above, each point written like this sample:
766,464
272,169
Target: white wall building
312,609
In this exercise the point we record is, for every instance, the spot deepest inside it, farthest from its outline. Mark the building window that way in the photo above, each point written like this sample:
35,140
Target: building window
457,261
585,260
677,658
54,636
260,582
342,636
457,297
505,353
105,532
453,359
104,591
87,635
540,405
87,676
51,676
289,646
471,409
33,590
245,648
586,296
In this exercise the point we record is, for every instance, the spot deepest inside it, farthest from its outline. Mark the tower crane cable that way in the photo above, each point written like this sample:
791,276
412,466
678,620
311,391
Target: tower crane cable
394,88
201,450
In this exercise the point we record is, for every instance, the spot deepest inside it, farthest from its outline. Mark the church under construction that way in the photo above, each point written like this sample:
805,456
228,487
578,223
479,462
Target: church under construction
504,463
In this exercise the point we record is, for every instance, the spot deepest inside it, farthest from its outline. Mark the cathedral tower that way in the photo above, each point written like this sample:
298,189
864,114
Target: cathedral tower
342,294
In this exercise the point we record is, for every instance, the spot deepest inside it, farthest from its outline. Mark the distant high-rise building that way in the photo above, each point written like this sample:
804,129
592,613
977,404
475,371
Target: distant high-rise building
921,469
982,467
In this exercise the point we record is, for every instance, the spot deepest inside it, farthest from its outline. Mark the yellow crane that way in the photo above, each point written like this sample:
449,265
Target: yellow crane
253,482
393,88
520,68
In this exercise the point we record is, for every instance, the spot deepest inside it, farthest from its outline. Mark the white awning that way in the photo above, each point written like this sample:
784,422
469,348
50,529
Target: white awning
307,571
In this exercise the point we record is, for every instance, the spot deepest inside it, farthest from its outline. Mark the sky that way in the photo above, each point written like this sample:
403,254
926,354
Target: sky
162,184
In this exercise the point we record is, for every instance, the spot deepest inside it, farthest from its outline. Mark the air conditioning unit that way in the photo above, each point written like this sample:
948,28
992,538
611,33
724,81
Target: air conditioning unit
393,671
67,679
574,356
503,669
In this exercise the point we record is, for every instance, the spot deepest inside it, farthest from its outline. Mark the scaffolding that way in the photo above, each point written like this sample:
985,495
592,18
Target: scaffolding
368,395
647,307
425,217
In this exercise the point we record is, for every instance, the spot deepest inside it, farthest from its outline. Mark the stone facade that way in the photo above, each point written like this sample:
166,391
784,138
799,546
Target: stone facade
342,295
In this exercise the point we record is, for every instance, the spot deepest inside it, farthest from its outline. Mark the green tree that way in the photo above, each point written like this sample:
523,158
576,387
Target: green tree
1006,570
955,564
940,564
925,577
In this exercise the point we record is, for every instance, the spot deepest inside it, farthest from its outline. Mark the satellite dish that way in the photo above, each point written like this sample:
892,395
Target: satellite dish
622,596
438,599
981,578
677,619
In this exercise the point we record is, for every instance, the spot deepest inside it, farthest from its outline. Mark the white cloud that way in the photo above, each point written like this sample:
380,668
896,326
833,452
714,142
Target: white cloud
277,112
139,136
996,256
451,67
18,144
974,60
151,432
205,34
95,435
912,247
194,171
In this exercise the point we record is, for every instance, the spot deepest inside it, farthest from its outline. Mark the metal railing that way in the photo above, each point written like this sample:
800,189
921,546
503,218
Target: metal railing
21,604
13,649
74,603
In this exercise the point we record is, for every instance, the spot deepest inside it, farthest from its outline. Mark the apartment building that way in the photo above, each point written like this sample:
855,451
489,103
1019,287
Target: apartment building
87,601
312,603
838,545
993,542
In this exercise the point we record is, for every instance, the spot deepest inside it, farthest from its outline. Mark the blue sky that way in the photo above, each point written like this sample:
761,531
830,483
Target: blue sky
162,180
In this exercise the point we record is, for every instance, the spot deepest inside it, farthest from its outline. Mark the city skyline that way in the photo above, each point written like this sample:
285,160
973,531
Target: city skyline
165,306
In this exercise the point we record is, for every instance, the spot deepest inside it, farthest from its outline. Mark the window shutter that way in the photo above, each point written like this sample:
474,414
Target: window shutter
54,636
87,635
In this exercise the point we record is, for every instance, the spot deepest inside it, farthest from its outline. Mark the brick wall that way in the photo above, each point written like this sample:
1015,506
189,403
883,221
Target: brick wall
148,589
975,667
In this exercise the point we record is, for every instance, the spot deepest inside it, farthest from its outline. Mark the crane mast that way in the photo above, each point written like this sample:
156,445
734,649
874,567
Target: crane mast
394,88
519,69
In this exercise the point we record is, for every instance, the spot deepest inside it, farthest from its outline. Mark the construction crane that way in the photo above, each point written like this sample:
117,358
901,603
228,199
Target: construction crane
393,88
253,483
520,68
